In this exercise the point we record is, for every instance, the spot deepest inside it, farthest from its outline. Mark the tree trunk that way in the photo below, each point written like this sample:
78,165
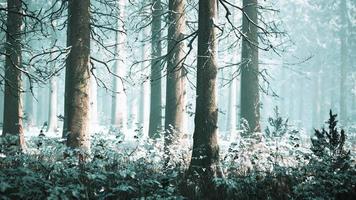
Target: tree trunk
143,106
238,102
175,90
119,114
93,97
155,124
250,103
52,101
41,111
301,114
77,75
343,54
52,105
28,107
204,164
315,100
12,98
231,107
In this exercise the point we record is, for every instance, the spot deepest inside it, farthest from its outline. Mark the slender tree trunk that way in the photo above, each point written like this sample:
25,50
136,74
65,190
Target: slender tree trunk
77,75
12,98
52,102
143,103
315,100
237,102
93,97
352,60
119,114
29,107
250,103
204,164
41,110
343,55
301,95
155,124
175,90
291,92
282,95
52,105
231,107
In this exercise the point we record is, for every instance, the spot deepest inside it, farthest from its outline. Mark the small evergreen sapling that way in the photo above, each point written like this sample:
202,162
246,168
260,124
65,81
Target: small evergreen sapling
277,126
329,145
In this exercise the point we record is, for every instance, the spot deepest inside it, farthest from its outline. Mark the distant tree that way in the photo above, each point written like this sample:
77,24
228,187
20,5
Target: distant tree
155,122
13,112
175,89
231,106
118,113
52,105
143,103
343,60
204,165
250,102
52,102
76,115
29,105
93,97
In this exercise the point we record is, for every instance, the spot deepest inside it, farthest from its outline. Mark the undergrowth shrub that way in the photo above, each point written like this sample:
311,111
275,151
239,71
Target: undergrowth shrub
331,172
113,170
270,165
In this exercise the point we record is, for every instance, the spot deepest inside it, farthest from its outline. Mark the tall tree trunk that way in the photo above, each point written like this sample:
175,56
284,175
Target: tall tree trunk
301,95
291,92
77,75
315,100
52,101
29,107
231,107
204,165
12,98
143,103
119,114
283,92
250,103
52,105
155,124
343,55
237,102
41,115
175,90
93,97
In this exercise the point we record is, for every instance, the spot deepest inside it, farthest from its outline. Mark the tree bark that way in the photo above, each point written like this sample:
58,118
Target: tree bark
13,83
175,90
204,165
119,114
155,124
77,75
250,103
